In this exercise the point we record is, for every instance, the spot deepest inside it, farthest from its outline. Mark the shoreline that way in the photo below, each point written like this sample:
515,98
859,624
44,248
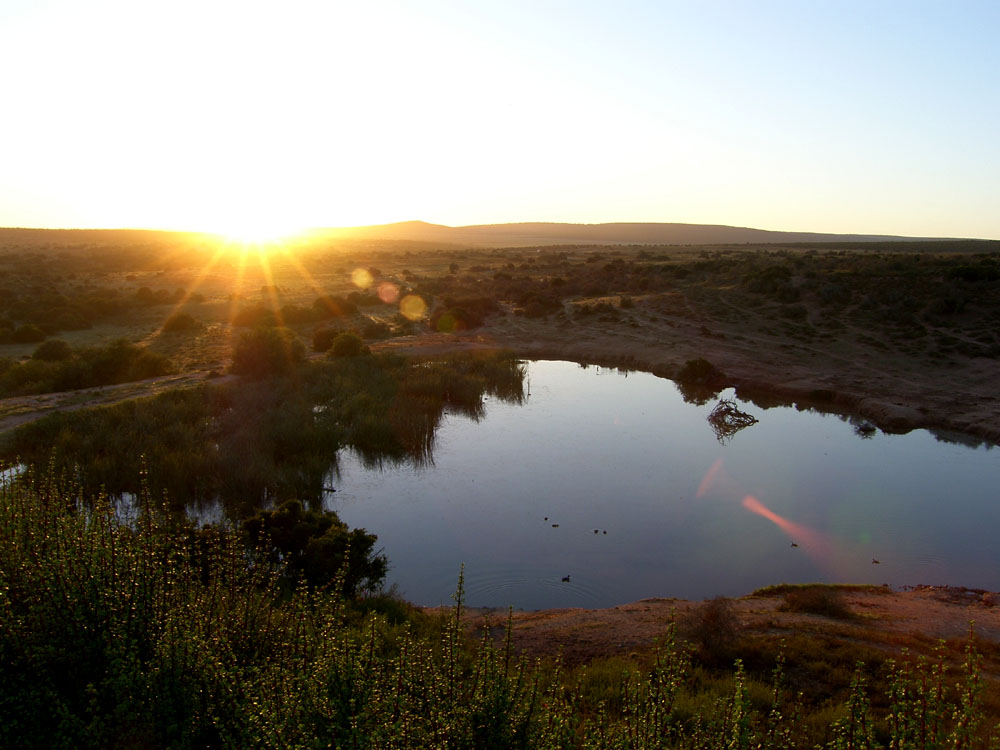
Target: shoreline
917,618
953,403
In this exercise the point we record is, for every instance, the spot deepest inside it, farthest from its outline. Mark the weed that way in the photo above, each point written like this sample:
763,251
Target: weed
817,600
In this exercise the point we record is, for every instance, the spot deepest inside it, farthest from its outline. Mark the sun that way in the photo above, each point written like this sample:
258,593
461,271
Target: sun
258,233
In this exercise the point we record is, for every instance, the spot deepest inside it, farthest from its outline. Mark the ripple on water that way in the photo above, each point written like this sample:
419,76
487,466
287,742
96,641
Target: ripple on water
500,586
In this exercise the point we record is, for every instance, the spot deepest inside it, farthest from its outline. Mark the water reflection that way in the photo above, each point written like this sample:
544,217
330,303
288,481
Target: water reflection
726,419
517,498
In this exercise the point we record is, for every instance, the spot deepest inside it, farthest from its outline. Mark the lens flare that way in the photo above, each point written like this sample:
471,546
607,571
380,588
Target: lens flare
388,292
711,477
447,323
815,543
412,307
361,278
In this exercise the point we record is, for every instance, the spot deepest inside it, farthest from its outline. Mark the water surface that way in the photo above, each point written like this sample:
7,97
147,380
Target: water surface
518,496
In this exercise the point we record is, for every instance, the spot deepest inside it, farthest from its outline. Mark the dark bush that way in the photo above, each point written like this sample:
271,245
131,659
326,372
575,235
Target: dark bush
253,317
27,334
817,600
322,338
181,322
334,307
264,352
699,372
347,345
713,628
375,329
291,315
53,350
699,380
318,546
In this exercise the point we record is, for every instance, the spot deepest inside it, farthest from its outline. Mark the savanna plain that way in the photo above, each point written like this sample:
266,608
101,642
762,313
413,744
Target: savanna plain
147,378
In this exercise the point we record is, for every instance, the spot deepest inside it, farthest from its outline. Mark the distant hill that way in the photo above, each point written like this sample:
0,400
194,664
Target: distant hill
544,233
423,235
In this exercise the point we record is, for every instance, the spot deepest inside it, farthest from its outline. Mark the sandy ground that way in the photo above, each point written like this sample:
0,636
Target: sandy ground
883,619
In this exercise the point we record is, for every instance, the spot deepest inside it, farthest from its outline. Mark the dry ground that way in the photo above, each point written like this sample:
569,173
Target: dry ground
884,619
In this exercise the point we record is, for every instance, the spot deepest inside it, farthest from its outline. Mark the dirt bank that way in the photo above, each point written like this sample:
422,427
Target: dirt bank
879,617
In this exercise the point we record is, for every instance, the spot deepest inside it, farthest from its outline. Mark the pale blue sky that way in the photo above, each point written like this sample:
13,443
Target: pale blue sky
874,117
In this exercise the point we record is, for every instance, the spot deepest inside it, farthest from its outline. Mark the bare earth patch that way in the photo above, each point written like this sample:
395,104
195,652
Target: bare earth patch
883,618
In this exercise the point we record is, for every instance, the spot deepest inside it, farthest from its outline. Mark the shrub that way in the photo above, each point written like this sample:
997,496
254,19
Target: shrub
322,338
375,329
334,307
817,600
27,334
316,545
265,352
712,627
181,322
254,317
347,344
53,350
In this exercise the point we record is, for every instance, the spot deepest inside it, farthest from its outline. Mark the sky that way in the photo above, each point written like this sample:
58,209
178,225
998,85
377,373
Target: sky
878,116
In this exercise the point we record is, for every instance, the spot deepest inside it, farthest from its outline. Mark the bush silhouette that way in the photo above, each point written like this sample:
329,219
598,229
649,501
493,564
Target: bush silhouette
265,352
27,334
181,322
53,350
347,345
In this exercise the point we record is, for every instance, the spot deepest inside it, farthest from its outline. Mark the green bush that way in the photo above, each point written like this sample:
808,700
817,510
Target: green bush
266,352
53,371
347,344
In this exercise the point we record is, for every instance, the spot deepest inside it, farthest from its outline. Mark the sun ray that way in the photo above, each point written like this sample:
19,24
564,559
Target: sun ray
816,544
271,287
237,289
303,272
195,285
